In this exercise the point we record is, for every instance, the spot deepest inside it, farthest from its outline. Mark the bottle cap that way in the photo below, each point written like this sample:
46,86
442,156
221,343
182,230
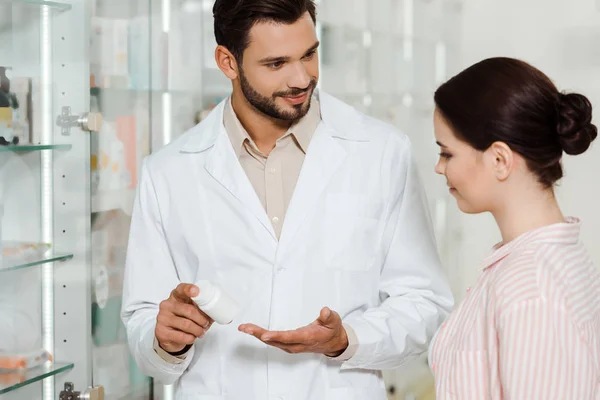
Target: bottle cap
207,291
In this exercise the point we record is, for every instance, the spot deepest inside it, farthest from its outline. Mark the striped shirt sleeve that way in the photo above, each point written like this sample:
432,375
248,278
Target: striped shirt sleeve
542,353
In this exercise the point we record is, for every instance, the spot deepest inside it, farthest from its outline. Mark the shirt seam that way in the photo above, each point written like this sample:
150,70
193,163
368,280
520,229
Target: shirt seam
562,293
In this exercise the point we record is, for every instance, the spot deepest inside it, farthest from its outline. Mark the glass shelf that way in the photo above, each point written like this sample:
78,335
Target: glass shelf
33,147
99,91
11,264
53,4
14,379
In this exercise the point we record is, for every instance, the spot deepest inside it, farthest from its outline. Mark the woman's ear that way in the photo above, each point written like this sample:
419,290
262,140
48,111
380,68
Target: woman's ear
503,160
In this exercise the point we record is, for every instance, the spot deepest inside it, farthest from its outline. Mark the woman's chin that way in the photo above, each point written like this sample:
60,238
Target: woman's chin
465,206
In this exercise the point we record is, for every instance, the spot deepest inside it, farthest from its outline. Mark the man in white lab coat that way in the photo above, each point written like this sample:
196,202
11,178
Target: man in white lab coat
307,212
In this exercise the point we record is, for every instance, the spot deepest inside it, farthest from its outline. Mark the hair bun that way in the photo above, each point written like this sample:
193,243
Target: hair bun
575,129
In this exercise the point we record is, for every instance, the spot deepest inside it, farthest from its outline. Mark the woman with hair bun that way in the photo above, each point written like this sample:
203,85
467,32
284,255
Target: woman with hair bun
530,327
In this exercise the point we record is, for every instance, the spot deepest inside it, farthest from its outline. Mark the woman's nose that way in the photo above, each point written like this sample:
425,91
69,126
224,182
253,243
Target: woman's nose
439,168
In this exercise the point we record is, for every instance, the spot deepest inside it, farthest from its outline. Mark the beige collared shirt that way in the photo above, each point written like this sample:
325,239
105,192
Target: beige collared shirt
273,177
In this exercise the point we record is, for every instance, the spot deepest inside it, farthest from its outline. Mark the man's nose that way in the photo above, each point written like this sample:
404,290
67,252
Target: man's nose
300,78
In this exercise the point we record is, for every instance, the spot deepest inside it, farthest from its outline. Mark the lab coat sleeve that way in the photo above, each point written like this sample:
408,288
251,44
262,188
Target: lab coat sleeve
150,276
415,292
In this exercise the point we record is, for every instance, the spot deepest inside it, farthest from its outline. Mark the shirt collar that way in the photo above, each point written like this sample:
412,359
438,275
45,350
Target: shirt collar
302,131
561,233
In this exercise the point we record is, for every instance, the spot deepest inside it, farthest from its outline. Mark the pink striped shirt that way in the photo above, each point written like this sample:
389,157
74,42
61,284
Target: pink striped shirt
530,327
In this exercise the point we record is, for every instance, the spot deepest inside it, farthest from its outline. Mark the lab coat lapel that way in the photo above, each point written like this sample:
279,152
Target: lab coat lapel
223,165
323,158
325,155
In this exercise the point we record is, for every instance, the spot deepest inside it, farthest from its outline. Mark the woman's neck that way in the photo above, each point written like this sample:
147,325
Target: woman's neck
527,210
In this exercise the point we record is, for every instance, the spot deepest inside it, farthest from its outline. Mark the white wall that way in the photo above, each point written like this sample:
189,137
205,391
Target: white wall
562,38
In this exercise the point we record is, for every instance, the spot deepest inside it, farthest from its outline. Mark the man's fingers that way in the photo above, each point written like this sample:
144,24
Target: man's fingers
182,324
193,313
306,335
169,336
328,318
184,292
298,336
253,330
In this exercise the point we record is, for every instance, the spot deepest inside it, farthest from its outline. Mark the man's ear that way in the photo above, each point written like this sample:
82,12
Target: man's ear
226,62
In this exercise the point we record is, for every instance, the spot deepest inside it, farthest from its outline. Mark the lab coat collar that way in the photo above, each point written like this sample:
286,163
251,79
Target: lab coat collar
342,121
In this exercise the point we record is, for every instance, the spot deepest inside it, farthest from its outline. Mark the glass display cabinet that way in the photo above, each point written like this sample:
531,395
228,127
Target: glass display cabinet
45,127
88,88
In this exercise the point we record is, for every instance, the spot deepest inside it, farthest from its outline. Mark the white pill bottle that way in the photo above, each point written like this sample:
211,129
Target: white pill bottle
215,303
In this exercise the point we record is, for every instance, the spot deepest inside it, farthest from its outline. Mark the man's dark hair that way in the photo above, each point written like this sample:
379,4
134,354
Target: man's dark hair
235,18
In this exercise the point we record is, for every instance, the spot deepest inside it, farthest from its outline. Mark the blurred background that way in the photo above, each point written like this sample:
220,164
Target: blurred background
147,68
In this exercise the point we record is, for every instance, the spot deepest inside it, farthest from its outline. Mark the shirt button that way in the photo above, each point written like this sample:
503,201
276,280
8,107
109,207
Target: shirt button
272,170
275,220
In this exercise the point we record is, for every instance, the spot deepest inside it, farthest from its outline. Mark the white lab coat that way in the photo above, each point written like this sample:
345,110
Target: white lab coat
356,238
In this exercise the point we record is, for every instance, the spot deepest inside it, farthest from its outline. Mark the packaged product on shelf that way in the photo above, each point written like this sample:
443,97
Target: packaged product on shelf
109,248
8,103
25,360
24,249
101,285
116,152
109,53
6,131
108,161
15,250
126,133
22,115
12,377
15,109
110,231
1,243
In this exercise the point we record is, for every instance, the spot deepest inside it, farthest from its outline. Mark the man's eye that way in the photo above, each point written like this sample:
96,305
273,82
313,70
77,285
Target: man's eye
275,65
310,55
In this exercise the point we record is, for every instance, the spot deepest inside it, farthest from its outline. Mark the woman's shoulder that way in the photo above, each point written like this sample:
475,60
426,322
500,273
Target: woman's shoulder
514,279
561,274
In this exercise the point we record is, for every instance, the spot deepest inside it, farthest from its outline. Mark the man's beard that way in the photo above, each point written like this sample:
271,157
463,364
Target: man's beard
267,105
